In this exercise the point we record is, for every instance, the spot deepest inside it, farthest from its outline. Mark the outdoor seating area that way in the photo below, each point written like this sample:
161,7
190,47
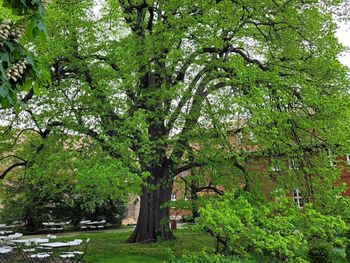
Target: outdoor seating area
54,226
18,248
92,225
6,230
4,227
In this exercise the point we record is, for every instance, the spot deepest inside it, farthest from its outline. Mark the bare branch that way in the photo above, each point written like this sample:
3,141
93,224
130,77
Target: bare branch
10,168
22,131
108,61
35,121
28,96
185,98
188,167
12,156
210,187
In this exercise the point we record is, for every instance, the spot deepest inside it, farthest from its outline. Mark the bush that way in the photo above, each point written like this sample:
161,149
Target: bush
320,251
272,231
204,257
65,184
35,204
347,250
188,218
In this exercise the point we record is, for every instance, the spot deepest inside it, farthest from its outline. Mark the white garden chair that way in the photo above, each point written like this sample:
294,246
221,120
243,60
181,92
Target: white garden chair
76,255
6,253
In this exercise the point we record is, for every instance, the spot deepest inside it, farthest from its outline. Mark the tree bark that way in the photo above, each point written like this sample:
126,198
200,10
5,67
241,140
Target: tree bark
153,220
194,202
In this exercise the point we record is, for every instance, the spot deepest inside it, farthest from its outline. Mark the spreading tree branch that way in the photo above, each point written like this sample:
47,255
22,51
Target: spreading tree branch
10,168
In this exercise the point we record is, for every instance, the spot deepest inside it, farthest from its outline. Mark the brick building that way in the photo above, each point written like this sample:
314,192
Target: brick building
263,167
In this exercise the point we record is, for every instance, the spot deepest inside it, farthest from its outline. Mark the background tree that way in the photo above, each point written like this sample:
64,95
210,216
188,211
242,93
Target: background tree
147,79
59,185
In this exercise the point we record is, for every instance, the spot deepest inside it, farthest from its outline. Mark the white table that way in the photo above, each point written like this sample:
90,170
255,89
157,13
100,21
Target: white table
5,250
21,241
93,224
56,244
4,226
54,226
31,240
39,240
84,222
6,232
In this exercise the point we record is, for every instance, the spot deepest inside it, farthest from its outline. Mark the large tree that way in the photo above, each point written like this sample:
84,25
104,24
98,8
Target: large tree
159,83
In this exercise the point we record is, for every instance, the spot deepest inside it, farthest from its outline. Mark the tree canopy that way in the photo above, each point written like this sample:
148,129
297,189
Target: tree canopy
160,86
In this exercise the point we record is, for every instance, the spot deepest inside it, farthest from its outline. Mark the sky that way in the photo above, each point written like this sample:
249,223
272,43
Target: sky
343,34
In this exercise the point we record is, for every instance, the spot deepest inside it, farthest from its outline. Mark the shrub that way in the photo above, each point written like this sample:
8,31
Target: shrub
273,231
347,250
204,257
320,251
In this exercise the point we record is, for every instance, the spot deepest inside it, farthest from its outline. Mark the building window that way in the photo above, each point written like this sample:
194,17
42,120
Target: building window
239,137
298,199
275,169
184,174
173,197
293,164
348,159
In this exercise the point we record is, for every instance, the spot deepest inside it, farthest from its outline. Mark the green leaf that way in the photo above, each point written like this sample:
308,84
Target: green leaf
36,88
28,84
4,57
3,91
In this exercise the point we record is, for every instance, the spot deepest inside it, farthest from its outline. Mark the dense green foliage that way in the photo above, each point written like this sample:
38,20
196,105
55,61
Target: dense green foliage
59,186
19,70
203,257
159,88
275,231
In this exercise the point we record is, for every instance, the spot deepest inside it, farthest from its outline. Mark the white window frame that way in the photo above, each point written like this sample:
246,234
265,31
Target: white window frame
298,198
293,164
273,167
173,196
184,174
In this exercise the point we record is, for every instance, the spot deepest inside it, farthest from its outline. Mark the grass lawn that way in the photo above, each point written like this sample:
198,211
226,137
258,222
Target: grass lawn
110,246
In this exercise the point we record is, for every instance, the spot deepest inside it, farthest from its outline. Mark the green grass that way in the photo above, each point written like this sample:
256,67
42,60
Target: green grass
110,246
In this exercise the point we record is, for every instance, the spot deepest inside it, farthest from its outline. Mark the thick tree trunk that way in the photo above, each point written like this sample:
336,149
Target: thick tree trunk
194,203
153,220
